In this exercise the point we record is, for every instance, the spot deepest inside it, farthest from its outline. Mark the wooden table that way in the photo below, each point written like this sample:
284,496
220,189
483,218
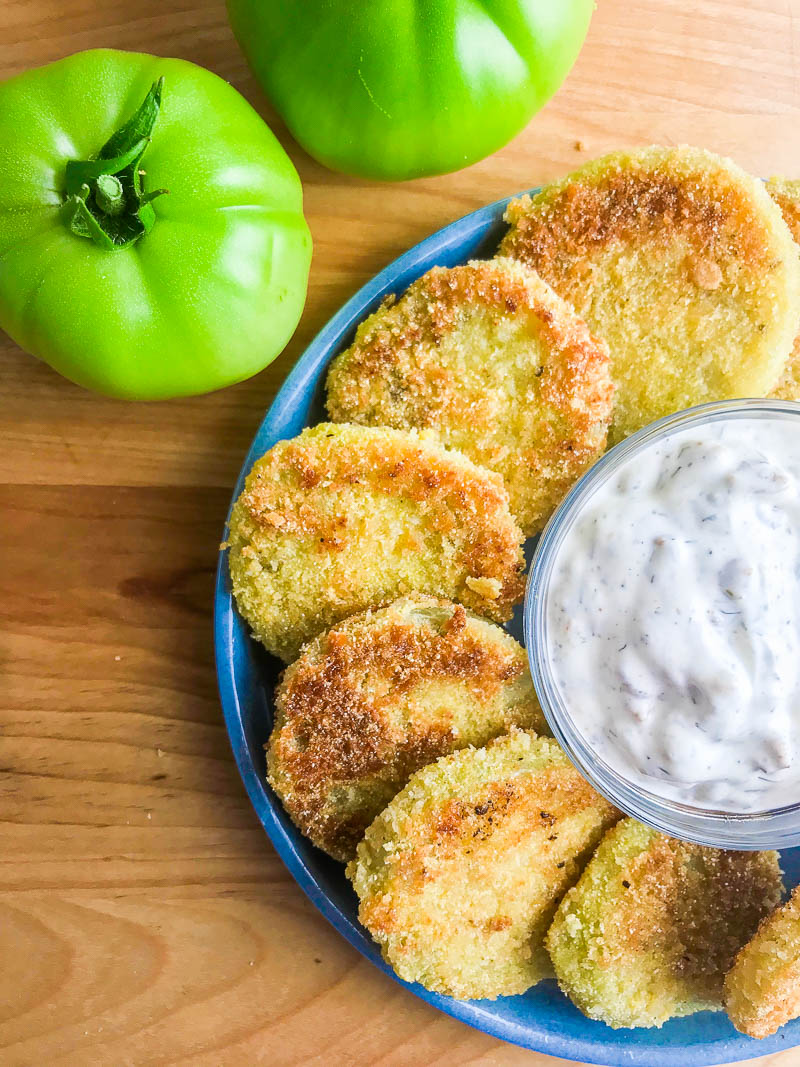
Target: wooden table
144,918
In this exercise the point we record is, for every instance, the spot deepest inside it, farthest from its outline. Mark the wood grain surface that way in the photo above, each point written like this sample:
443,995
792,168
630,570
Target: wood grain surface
144,918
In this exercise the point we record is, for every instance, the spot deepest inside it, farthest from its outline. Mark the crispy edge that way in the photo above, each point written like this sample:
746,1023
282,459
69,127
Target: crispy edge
659,909
329,730
448,821
628,196
575,378
786,195
762,992
460,498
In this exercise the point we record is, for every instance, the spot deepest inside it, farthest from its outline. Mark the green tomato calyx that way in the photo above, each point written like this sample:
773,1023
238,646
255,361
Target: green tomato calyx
105,196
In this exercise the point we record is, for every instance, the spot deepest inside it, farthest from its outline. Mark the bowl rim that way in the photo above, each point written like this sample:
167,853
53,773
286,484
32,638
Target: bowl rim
478,1014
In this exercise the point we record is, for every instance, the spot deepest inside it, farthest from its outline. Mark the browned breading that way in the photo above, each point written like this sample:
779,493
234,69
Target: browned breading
694,905
493,361
343,518
786,195
762,990
379,696
717,219
460,874
654,923
681,262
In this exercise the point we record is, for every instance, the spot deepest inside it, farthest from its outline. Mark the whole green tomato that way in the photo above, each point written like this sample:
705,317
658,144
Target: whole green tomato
152,240
397,89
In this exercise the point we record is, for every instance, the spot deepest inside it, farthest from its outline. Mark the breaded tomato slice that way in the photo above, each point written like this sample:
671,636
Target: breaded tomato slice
459,876
498,365
380,695
654,923
343,518
786,195
762,989
678,259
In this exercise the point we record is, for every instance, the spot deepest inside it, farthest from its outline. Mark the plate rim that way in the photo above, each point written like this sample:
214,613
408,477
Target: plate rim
306,370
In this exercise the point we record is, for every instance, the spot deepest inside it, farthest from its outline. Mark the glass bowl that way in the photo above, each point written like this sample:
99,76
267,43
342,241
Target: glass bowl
779,828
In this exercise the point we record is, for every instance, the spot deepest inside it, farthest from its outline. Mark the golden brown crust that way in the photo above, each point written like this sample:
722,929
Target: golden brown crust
651,927
782,1006
346,517
499,366
553,796
762,989
278,494
681,262
503,813
786,195
381,695
459,876
693,905
564,227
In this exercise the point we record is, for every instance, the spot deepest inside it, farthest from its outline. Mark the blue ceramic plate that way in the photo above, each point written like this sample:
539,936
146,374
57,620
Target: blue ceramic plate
542,1019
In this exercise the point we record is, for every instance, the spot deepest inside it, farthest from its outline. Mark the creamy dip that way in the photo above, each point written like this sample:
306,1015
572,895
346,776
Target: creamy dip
673,616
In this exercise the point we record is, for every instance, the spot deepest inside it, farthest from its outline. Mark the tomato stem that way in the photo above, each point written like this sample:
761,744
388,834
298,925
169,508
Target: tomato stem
108,194
105,198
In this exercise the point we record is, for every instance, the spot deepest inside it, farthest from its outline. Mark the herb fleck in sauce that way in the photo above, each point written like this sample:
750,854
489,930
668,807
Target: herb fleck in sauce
673,617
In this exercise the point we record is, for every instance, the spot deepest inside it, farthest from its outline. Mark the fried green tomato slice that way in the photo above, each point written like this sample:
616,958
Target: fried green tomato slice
498,365
379,696
654,923
762,989
459,876
343,518
786,195
679,260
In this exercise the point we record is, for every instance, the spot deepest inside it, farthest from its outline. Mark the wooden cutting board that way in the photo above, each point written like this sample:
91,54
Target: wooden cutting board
144,918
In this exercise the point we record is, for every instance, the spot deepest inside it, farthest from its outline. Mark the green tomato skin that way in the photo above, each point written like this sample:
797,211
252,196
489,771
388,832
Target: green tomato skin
397,89
212,294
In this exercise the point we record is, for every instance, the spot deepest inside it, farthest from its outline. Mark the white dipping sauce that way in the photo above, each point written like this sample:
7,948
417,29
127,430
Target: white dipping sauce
673,617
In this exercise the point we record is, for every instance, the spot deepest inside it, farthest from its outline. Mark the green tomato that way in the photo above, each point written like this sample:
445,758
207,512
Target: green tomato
397,89
152,240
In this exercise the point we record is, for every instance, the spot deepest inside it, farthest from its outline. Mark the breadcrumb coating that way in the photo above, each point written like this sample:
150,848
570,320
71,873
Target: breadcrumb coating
498,365
786,195
379,696
343,518
459,876
653,925
681,262
762,989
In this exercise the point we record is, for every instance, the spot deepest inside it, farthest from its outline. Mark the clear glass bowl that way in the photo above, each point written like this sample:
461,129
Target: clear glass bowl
779,828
